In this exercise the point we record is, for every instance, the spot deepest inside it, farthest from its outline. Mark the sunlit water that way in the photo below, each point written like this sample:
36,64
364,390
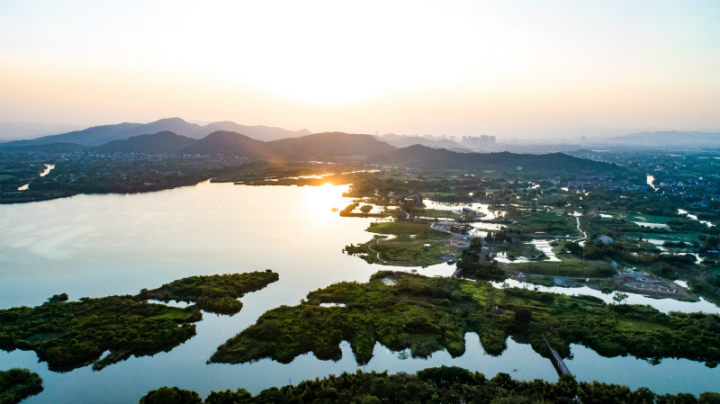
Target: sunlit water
100,245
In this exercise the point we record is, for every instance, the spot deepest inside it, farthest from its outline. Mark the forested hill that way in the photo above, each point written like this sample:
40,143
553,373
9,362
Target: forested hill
428,158
324,146
158,143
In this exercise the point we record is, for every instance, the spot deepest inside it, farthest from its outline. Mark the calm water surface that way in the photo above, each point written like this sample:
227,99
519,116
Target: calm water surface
100,245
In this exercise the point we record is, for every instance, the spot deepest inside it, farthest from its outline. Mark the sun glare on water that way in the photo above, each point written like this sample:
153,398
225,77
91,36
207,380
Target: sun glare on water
324,202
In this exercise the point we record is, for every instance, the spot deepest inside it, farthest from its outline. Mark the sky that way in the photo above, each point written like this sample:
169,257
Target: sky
510,68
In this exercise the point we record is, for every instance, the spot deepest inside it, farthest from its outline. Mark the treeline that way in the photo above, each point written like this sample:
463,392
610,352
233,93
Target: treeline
435,385
68,335
18,384
213,293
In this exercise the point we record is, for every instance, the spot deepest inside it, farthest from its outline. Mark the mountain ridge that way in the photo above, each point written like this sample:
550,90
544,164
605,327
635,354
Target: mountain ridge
101,134
419,156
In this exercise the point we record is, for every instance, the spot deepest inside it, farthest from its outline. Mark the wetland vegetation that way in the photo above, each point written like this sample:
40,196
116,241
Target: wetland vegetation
432,385
407,311
68,335
404,243
213,293
18,384
102,331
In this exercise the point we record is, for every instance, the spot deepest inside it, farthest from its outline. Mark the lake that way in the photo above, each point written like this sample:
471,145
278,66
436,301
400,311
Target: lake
99,245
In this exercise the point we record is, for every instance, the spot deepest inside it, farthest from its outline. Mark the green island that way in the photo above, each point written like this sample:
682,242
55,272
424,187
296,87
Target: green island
408,311
404,243
433,385
68,335
213,293
18,384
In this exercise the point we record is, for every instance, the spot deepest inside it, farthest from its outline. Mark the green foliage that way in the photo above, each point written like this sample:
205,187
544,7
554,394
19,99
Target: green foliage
17,384
171,395
549,223
420,252
566,267
437,213
213,293
62,297
402,310
474,264
450,385
414,243
68,335
366,209
403,229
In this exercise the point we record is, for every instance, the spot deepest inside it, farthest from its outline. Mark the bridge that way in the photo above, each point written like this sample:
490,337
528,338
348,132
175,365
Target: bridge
557,360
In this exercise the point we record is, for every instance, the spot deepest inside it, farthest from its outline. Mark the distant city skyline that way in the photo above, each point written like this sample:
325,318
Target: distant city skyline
510,69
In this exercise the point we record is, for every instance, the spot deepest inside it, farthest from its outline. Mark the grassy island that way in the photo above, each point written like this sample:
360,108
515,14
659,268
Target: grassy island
403,310
68,335
433,385
18,384
403,243
213,293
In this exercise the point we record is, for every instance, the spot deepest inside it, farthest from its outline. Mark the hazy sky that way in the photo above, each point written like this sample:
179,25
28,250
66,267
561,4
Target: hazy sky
509,68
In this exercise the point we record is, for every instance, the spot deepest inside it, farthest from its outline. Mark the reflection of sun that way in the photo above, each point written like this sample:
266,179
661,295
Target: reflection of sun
321,200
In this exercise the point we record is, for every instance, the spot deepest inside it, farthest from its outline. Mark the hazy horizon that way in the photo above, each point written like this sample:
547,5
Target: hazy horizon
512,69
10,131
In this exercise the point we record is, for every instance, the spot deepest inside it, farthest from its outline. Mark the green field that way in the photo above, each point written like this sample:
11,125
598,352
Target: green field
566,267
439,213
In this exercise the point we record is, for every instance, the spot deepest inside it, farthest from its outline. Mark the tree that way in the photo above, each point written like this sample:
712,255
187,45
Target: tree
171,395
620,297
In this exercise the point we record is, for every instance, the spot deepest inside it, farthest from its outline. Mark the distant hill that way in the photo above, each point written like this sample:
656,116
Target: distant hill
159,143
330,145
428,158
231,143
99,135
258,132
675,139
319,146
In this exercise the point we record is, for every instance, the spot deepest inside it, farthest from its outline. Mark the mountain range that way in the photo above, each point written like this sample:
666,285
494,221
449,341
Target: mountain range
329,146
99,135
319,146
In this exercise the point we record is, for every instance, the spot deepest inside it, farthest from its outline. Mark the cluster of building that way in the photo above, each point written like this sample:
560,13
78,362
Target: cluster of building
483,140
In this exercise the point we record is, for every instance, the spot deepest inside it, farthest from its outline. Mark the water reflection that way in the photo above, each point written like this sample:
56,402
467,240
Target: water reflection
99,245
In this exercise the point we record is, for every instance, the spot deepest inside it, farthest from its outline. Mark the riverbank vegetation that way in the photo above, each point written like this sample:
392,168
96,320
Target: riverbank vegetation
407,311
68,335
18,384
213,293
102,331
434,385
